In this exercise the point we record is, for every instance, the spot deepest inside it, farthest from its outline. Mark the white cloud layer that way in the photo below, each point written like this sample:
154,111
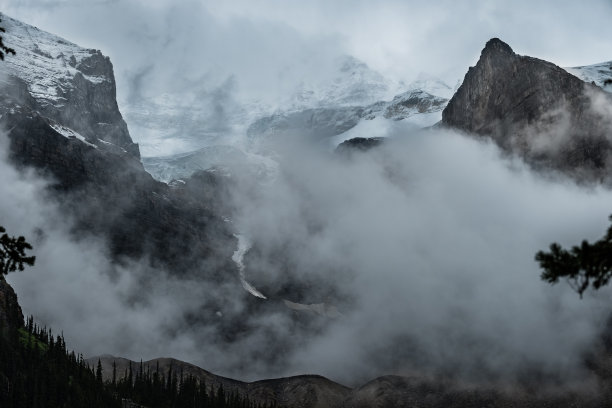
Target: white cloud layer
426,248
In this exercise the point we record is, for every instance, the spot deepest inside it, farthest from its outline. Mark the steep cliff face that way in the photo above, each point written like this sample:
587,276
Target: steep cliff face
57,104
537,110
69,84
10,311
110,195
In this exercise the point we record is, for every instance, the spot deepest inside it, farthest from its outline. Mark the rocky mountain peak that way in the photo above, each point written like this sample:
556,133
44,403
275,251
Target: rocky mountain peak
495,46
535,109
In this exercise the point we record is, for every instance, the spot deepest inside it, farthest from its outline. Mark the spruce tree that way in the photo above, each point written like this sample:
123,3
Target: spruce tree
99,372
583,266
12,253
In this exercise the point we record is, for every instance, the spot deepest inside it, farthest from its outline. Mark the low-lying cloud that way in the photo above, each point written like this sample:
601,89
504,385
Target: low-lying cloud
424,245
431,238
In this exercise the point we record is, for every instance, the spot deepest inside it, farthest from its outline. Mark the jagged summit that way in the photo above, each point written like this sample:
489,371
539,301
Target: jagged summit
535,109
496,46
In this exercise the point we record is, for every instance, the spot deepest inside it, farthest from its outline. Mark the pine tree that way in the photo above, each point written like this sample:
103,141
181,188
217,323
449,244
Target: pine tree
99,372
12,253
584,266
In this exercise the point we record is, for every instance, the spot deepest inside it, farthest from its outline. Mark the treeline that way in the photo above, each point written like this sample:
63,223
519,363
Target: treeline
37,371
154,389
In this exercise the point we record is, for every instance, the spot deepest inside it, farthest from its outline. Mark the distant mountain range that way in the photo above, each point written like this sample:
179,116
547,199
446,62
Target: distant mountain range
313,391
326,117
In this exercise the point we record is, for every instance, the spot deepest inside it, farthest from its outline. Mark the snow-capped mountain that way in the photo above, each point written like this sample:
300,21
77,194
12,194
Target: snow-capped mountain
409,104
73,86
214,114
48,63
331,123
352,83
334,124
600,74
184,136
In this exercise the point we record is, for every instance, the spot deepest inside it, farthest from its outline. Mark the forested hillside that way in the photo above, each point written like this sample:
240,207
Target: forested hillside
37,370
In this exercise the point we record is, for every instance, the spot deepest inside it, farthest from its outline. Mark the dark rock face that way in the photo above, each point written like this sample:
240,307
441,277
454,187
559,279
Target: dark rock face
10,311
90,108
537,110
111,195
359,144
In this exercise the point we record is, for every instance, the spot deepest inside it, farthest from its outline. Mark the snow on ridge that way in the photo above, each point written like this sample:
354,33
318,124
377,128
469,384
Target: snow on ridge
431,85
353,84
600,73
46,62
71,134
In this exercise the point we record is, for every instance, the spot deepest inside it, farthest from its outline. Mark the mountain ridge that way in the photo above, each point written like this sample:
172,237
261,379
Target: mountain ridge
315,391
307,390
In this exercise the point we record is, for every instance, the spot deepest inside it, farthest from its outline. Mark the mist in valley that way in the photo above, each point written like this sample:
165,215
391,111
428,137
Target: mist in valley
415,257
425,246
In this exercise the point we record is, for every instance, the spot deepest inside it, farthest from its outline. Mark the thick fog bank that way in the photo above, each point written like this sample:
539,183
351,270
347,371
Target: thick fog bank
425,246
429,243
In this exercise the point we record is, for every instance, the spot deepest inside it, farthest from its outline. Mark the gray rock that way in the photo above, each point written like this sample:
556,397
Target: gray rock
536,110
358,144
11,315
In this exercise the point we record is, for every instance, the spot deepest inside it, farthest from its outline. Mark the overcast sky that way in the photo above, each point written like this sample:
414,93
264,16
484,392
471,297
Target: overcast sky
255,40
